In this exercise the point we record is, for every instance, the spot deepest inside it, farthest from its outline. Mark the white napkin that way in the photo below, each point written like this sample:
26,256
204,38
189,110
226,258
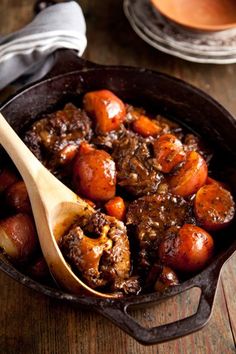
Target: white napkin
28,53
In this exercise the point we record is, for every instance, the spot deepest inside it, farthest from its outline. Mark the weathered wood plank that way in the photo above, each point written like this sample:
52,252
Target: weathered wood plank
228,282
34,323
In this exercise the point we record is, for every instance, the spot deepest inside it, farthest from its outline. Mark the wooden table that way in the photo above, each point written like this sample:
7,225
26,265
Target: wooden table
33,323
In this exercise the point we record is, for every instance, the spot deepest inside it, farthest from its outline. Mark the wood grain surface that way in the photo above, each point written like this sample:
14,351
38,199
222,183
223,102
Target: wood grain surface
33,323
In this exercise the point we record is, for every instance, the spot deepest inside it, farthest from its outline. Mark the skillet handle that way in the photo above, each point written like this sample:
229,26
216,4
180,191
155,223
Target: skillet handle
117,313
67,60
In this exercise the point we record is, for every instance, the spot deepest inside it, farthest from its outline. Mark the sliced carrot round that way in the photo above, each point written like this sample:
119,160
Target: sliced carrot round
214,206
146,127
116,207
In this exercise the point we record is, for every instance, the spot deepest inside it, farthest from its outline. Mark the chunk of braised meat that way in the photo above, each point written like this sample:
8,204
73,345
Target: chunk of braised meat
128,286
106,140
160,277
193,143
152,216
136,171
55,138
99,250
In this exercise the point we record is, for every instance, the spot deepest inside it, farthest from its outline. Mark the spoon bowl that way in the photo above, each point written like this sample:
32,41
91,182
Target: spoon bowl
54,206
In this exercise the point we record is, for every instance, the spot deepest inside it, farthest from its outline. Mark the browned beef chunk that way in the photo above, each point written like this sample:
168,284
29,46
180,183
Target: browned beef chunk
103,257
152,216
128,286
54,139
135,168
105,141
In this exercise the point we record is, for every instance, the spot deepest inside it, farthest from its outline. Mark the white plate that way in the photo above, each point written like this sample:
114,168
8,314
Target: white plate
161,39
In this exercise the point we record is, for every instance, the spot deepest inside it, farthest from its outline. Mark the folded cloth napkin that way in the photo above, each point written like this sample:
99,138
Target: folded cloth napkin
28,53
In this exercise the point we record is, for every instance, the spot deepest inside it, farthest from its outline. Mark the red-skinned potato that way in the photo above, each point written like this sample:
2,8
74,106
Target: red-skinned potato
166,278
214,207
7,178
186,249
190,176
106,108
18,237
94,174
169,152
17,198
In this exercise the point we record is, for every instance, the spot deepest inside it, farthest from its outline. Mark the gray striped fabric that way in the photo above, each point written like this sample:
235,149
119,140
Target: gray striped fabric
28,53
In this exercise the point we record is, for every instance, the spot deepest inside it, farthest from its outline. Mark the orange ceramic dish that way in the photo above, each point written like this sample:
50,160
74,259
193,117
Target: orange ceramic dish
201,15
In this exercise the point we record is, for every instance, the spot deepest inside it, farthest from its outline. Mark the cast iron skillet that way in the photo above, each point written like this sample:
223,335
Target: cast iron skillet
70,78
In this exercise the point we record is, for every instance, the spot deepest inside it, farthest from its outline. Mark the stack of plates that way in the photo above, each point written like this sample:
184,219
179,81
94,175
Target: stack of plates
153,28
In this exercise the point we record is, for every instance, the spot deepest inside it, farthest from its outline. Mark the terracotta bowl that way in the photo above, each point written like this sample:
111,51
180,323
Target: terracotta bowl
200,15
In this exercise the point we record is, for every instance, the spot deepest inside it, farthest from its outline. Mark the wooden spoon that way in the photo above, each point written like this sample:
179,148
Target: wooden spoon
54,207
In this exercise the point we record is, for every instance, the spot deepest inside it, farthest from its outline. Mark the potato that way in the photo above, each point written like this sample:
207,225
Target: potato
186,249
18,237
7,178
94,174
190,177
17,198
168,152
106,108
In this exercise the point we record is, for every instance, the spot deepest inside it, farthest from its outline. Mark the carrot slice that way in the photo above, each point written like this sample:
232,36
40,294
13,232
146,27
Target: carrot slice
116,207
214,207
146,127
